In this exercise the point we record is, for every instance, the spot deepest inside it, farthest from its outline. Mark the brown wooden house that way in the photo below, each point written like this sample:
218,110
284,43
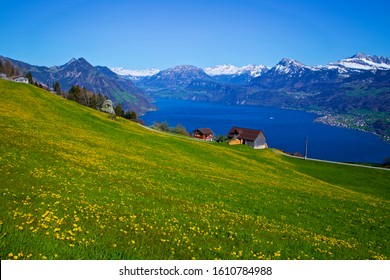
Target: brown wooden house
205,134
250,137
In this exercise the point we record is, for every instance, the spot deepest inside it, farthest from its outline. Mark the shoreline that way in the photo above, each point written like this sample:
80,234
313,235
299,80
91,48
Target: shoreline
348,121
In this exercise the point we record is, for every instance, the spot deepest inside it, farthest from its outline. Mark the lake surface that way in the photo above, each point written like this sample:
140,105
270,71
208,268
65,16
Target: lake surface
284,129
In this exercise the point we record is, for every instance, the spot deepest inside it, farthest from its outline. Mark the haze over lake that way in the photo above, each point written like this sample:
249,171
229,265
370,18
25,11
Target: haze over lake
284,129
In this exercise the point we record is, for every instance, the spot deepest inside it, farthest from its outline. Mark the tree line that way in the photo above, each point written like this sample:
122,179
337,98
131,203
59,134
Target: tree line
87,98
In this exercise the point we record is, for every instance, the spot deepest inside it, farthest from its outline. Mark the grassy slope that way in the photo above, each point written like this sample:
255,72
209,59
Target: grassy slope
76,185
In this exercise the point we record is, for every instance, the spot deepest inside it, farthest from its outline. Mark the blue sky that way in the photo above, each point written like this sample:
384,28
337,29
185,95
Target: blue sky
150,33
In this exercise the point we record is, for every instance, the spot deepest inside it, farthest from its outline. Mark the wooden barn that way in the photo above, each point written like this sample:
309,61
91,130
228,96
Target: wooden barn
250,137
205,134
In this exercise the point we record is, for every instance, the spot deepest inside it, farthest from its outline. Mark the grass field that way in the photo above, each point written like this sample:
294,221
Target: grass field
77,185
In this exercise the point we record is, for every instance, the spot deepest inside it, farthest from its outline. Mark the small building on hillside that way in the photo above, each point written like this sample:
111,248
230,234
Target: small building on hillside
21,80
205,134
245,136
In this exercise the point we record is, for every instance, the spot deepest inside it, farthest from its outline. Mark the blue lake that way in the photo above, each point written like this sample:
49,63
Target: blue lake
284,129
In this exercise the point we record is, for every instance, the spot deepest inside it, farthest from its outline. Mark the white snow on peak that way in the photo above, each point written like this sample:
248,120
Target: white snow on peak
72,60
222,70
361,62
253,70
135,73
290,66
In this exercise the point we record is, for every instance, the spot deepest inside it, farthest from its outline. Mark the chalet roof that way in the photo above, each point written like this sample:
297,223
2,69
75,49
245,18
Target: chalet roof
244,133
205,131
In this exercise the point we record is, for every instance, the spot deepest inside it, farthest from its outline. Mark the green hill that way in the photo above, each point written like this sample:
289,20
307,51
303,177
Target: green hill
77,185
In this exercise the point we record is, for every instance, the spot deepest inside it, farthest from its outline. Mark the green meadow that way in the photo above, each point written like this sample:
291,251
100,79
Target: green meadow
77,185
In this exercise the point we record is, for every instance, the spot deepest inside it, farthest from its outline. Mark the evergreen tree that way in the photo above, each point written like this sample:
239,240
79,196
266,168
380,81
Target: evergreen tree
127,115
30,78
57,88
74,93
130,115
93,102
119,110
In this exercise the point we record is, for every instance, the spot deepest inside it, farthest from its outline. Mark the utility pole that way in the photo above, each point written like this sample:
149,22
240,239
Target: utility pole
306,143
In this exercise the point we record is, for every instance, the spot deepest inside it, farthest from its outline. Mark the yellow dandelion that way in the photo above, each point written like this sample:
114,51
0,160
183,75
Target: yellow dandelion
10,255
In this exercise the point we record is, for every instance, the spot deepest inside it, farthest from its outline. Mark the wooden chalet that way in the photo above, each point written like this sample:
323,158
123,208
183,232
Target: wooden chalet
250,137
205,134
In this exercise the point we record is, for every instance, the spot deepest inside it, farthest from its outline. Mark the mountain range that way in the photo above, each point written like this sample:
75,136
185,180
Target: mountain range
357,87
357,82
98,79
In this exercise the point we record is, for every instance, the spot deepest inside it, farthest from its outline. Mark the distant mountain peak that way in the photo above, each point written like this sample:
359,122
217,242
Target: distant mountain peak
361,62
186,70
135,73
229,69
290,66
82,59
184,67
79,61
290,62
359,55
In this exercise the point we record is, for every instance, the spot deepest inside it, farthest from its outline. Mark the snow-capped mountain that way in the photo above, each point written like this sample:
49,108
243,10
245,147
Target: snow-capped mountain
252,70
235,75
135,73
361,62
175,77
290,66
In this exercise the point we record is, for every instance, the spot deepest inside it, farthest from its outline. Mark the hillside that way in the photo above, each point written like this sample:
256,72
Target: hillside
98,79
77,185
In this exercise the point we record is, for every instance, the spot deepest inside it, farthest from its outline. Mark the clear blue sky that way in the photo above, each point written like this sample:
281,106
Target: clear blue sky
164,33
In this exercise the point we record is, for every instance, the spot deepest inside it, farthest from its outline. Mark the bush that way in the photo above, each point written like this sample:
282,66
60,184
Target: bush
179,129
220,138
